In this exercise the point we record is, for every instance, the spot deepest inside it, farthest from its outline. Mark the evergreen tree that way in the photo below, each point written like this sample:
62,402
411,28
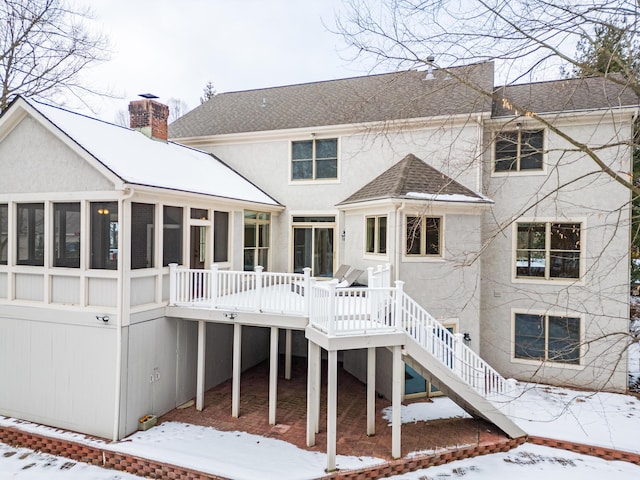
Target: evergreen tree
208,92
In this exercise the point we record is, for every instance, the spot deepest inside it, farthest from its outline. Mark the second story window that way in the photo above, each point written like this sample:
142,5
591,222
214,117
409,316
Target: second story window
423,236
519,151
314,159
548,250
376,239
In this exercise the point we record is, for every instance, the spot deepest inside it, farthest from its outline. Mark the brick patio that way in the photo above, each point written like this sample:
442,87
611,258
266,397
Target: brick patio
352,437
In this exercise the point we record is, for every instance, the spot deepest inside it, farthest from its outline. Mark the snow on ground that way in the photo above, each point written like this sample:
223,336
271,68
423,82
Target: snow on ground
24,464
529,462
437,408
595,418
227,453
604,419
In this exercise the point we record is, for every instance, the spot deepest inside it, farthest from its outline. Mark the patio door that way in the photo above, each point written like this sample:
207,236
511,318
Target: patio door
313,245
198,246
415,385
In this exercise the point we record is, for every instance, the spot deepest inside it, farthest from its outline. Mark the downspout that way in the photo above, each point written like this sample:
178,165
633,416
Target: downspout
479,153
121,310
399,211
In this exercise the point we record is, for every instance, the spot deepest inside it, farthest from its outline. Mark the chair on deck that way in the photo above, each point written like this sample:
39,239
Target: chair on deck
341,272
350,278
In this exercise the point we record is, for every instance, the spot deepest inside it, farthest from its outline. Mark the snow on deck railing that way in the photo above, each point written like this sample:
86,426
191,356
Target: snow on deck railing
256,291
450,349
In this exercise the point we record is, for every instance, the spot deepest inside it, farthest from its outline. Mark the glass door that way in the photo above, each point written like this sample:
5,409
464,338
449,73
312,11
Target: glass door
313,245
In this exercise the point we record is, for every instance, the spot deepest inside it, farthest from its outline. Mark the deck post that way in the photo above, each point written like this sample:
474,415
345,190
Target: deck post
397,316
312,394
306,292
258,270
287,354
273,376
332,410
458,364
200,374
396,402
173,283
213,284
331,313
235,381
371,391
370,278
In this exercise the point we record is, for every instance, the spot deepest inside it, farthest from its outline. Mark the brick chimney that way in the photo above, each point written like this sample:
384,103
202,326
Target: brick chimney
149,117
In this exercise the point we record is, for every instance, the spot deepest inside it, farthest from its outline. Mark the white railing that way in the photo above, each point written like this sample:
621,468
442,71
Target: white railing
349,311
378,308
450,349
257,291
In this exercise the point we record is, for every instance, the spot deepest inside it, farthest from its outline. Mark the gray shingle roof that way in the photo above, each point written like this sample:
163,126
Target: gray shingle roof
411,178
372,98
564,95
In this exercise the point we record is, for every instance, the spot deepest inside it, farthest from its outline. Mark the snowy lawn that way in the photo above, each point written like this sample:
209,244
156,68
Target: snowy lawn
529,462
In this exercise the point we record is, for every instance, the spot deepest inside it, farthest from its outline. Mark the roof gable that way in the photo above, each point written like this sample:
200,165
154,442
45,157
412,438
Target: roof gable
138,160
413,179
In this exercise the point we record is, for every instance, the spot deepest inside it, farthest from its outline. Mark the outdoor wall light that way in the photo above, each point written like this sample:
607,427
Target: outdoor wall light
466,338
104,318
519,125
103,211
231,316
344,235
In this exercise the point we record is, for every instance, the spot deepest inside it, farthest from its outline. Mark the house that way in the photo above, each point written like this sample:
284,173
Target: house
135,273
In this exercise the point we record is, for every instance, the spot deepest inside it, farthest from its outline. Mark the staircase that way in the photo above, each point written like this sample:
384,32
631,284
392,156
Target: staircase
443,359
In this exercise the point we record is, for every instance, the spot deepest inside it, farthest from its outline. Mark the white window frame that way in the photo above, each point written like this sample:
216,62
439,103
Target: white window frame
546,362
546,279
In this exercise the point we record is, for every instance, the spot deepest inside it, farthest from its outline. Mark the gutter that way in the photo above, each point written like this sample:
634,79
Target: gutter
399,210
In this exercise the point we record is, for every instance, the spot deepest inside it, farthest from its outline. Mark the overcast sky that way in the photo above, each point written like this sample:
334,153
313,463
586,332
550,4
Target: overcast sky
172,48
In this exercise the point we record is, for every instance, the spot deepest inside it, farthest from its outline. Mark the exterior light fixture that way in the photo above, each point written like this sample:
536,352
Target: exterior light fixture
344,235
466,338
103,211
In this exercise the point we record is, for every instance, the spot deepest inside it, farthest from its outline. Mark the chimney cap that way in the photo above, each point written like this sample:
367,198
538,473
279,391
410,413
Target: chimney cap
149,96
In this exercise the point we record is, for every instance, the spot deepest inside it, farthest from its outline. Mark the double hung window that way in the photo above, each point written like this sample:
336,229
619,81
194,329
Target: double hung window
66,233
547,338
519,150
548,250
315,159
423,236
376,234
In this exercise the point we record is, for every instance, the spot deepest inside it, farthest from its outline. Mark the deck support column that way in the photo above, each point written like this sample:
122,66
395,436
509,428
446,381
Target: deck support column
371,391
332,408
237,368
396,402
202,338
287,354
313,367
273,376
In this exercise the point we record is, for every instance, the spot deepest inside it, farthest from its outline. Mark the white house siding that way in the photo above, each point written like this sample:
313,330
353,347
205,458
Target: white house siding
34,160
601,298
57,371
362,155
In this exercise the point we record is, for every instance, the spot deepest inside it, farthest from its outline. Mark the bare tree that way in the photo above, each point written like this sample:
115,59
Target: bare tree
44,46
177,108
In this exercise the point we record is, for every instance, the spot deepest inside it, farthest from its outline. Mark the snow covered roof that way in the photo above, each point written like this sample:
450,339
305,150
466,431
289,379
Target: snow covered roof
138,160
